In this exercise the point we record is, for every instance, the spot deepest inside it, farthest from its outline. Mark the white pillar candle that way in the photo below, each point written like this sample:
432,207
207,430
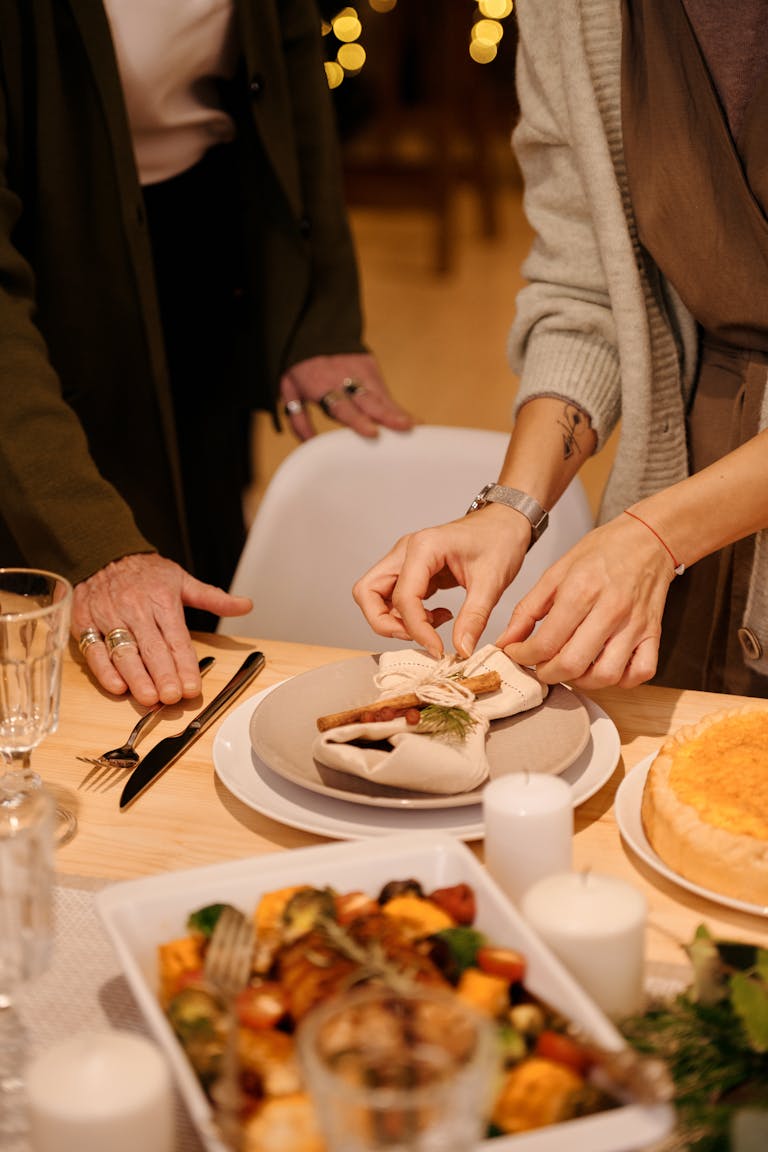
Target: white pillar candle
596,925
528,829
99,1091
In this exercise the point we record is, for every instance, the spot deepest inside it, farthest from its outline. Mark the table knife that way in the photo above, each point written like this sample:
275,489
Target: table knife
169,749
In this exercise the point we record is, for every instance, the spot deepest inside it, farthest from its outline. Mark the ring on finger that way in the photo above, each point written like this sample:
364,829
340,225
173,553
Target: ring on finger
329,401
119,638
86,638
353,387
293,407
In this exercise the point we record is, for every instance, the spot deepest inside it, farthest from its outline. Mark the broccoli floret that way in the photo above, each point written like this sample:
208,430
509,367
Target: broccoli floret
203,921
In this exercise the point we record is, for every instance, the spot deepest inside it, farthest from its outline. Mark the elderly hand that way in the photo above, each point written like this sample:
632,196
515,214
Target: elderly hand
600,608
349,388
481,553
144,595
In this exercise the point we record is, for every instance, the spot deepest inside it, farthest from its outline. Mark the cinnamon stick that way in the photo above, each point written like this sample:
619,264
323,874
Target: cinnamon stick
485,682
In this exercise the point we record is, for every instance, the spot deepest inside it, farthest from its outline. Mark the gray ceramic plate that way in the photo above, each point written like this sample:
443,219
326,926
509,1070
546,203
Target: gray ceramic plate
284,725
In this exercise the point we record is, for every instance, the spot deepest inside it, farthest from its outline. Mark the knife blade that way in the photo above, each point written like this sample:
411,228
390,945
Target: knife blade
169,749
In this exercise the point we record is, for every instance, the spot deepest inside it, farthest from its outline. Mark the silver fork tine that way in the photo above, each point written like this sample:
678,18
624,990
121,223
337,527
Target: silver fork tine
125,756
227,968
229,954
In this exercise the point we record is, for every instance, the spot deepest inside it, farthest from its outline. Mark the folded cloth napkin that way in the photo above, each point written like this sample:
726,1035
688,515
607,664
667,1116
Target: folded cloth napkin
395,753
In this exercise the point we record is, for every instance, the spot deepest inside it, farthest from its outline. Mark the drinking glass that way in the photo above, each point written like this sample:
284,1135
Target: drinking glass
26,930
411,1071
34,632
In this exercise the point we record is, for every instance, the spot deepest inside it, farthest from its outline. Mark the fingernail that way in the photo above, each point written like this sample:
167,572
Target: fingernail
464,646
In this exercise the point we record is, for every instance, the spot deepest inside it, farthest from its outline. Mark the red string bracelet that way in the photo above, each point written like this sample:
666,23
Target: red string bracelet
679,568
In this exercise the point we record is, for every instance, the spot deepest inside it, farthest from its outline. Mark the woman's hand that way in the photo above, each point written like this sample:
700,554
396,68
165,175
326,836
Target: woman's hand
349,388
146,594
600,608
481,553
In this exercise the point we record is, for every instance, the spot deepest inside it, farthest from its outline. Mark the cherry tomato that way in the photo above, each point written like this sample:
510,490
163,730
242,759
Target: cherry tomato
261,1006
561,1049
458,901
188,978
505,962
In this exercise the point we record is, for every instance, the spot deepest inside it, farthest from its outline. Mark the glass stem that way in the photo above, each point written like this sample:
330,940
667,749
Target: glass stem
20,774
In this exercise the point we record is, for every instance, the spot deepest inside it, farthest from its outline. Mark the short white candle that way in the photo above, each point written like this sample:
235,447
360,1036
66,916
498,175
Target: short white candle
100,1092
528,829
596,925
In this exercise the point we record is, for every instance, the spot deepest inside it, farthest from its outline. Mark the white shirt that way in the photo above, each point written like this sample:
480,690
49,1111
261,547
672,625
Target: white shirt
170,54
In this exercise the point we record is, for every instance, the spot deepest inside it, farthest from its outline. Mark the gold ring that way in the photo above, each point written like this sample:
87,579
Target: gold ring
88,637
119,638
353,387
329,401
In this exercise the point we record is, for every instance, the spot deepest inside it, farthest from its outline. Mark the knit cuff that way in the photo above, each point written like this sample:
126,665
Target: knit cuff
578,368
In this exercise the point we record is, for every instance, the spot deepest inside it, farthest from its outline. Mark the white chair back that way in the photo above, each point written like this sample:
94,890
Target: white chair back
339,502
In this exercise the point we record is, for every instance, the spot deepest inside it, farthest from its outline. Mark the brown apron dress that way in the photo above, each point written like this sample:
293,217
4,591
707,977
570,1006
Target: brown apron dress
700,194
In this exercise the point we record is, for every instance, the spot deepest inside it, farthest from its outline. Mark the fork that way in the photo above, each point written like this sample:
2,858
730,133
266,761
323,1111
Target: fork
126,755
227,969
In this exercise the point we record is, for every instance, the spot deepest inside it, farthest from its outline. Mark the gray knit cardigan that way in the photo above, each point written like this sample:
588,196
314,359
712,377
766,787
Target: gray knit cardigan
597,323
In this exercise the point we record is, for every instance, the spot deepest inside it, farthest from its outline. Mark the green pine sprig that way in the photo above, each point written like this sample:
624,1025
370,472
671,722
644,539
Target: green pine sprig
448,723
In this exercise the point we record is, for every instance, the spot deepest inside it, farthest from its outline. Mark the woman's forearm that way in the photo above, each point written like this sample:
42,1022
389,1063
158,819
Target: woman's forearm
550,442
725,502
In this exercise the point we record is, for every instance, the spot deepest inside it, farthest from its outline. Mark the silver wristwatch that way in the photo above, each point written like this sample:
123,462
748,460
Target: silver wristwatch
514,498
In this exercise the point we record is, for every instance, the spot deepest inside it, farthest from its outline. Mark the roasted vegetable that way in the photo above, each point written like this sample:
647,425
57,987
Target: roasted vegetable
400,888
536,1093
488,994
563,1049
283,1124
418,916
504,962
350,905
527,1018
454,949
261,1005
200,1022
177,961
305,910
203,921
458,901
512,1043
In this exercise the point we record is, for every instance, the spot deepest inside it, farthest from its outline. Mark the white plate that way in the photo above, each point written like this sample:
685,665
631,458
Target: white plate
629,797
140,914
240,770
545,739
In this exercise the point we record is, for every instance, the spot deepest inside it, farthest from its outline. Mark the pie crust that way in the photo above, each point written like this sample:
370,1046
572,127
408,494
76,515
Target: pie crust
705,803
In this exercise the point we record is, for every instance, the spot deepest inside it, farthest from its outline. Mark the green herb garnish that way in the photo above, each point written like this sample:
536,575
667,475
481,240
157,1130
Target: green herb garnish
449,723
714,1038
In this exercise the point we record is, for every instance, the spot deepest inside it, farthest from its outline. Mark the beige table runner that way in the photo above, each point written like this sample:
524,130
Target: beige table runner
84,988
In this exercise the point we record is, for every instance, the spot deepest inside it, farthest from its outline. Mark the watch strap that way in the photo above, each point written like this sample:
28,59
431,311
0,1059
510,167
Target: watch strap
520,501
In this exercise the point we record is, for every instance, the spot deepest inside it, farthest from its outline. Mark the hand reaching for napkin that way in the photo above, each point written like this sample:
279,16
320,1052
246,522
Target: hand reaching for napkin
419,757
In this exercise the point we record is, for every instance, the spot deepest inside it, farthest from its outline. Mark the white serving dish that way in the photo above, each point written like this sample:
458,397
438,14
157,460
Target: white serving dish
140,914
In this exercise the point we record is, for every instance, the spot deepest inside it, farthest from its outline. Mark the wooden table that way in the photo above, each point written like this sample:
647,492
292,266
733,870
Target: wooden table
189,818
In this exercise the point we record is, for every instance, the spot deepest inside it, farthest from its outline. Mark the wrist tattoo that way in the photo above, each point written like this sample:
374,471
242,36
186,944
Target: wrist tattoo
572,421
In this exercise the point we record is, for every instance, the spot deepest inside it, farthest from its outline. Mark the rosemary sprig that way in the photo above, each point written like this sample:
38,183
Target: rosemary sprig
373,960
449,723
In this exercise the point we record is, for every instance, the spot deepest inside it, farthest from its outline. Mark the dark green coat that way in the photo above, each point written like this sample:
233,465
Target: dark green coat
88,457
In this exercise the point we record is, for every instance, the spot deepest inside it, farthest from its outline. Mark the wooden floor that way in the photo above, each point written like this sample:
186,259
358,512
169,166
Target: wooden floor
441,341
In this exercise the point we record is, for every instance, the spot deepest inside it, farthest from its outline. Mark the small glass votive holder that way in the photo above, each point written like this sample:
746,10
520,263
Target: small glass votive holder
409,1071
